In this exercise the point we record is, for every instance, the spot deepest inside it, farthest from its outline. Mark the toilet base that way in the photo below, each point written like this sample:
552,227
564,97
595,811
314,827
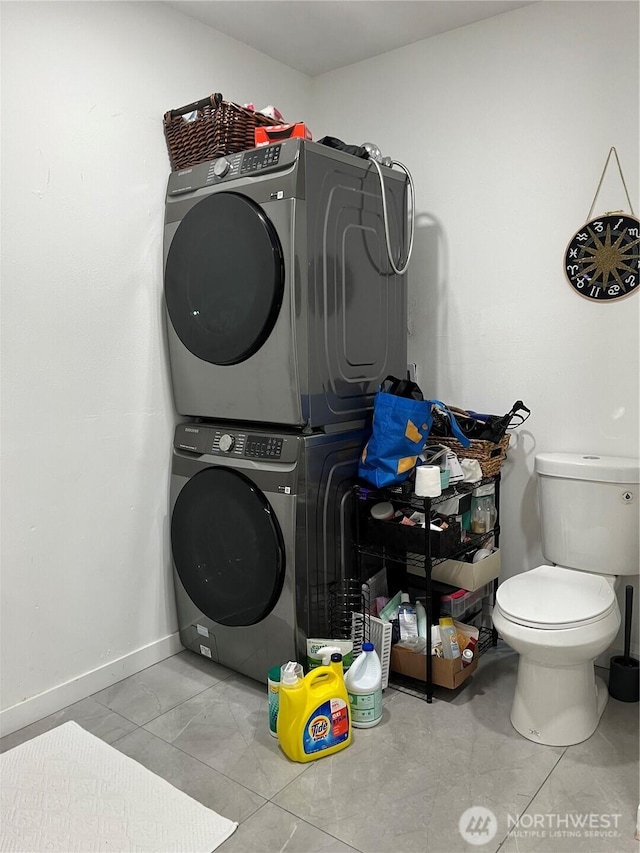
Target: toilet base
557,706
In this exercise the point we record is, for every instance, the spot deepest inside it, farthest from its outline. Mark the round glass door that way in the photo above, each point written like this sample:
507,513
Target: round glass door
227,547
224,279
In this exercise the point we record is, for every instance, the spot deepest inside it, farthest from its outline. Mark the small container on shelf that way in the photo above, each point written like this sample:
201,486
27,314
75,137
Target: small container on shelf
458,604
382,511
483,509
469,652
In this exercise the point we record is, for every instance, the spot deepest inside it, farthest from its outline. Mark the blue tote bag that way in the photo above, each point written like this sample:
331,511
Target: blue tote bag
401,424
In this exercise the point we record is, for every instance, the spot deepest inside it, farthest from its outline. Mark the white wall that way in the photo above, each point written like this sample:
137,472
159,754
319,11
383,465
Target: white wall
506,126
87,416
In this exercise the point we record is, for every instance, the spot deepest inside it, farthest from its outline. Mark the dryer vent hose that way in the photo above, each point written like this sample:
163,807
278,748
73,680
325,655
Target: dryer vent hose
385,215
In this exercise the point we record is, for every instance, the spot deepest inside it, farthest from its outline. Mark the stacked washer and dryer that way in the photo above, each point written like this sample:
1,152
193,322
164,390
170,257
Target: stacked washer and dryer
284,314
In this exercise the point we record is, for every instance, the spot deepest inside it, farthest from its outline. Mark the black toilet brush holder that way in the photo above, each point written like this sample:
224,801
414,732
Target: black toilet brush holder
624,671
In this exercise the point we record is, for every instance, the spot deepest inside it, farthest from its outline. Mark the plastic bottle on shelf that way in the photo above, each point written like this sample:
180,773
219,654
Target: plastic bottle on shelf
421,616
364,687
407,619
450,647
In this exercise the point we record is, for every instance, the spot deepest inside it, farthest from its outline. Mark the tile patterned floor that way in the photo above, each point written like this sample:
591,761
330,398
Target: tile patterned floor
402,786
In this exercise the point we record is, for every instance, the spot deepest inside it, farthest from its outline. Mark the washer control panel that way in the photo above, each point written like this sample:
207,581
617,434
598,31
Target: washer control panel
221,442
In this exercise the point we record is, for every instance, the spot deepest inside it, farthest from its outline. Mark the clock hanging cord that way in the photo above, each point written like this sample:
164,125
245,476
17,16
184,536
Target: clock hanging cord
385,215
611,150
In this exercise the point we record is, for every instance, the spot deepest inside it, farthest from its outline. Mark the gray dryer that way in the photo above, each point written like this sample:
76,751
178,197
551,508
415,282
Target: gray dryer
260,525
282,307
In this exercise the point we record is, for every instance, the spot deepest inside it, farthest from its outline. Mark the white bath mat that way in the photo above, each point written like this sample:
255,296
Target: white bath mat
68,791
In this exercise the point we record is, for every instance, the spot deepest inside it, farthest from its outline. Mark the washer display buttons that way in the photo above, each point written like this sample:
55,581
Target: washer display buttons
260,159
263,447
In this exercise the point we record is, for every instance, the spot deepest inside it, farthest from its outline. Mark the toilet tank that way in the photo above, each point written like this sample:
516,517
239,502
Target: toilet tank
589,511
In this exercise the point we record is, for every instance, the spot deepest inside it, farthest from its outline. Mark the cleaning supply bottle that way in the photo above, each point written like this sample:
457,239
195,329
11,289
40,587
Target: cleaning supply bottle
449,639
314,719
364,687
273,690
407,619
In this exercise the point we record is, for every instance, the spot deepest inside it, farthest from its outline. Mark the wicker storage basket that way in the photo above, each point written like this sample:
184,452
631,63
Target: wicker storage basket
489,455
220,127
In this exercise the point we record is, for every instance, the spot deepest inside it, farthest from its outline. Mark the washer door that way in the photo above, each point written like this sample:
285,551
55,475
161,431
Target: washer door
227,547
224,278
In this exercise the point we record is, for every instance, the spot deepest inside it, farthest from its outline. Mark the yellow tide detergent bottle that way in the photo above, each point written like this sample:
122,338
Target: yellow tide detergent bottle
314,718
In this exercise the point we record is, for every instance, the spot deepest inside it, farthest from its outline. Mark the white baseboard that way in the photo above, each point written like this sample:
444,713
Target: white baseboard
37,707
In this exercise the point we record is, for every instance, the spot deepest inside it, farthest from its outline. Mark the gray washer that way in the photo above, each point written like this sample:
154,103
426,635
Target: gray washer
282,307
259,528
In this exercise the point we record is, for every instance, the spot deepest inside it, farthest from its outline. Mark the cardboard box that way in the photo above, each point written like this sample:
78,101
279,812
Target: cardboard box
445,673
470,576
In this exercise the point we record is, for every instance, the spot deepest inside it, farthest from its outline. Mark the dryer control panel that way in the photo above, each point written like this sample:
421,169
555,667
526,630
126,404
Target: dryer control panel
234,443
256,161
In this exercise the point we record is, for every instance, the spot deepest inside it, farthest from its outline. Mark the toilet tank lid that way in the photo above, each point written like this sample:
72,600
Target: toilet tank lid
589,466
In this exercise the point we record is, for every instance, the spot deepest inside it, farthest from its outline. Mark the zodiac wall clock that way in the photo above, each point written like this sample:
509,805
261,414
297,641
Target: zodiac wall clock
602,260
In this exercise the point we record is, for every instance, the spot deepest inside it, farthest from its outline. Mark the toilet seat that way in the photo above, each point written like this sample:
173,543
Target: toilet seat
552,598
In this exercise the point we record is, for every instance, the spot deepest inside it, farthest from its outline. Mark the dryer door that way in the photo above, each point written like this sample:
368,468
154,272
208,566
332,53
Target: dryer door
227,547
224,278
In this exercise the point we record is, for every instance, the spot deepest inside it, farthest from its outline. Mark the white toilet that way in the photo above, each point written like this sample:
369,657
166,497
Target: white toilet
560,617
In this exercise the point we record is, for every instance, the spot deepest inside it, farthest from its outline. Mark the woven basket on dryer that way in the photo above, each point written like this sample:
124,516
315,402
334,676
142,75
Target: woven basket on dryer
489,455
219,127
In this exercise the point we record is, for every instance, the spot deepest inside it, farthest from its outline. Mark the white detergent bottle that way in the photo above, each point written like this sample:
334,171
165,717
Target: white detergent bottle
364,686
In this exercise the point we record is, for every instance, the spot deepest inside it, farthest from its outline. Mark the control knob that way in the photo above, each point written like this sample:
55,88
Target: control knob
226,443
221,167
